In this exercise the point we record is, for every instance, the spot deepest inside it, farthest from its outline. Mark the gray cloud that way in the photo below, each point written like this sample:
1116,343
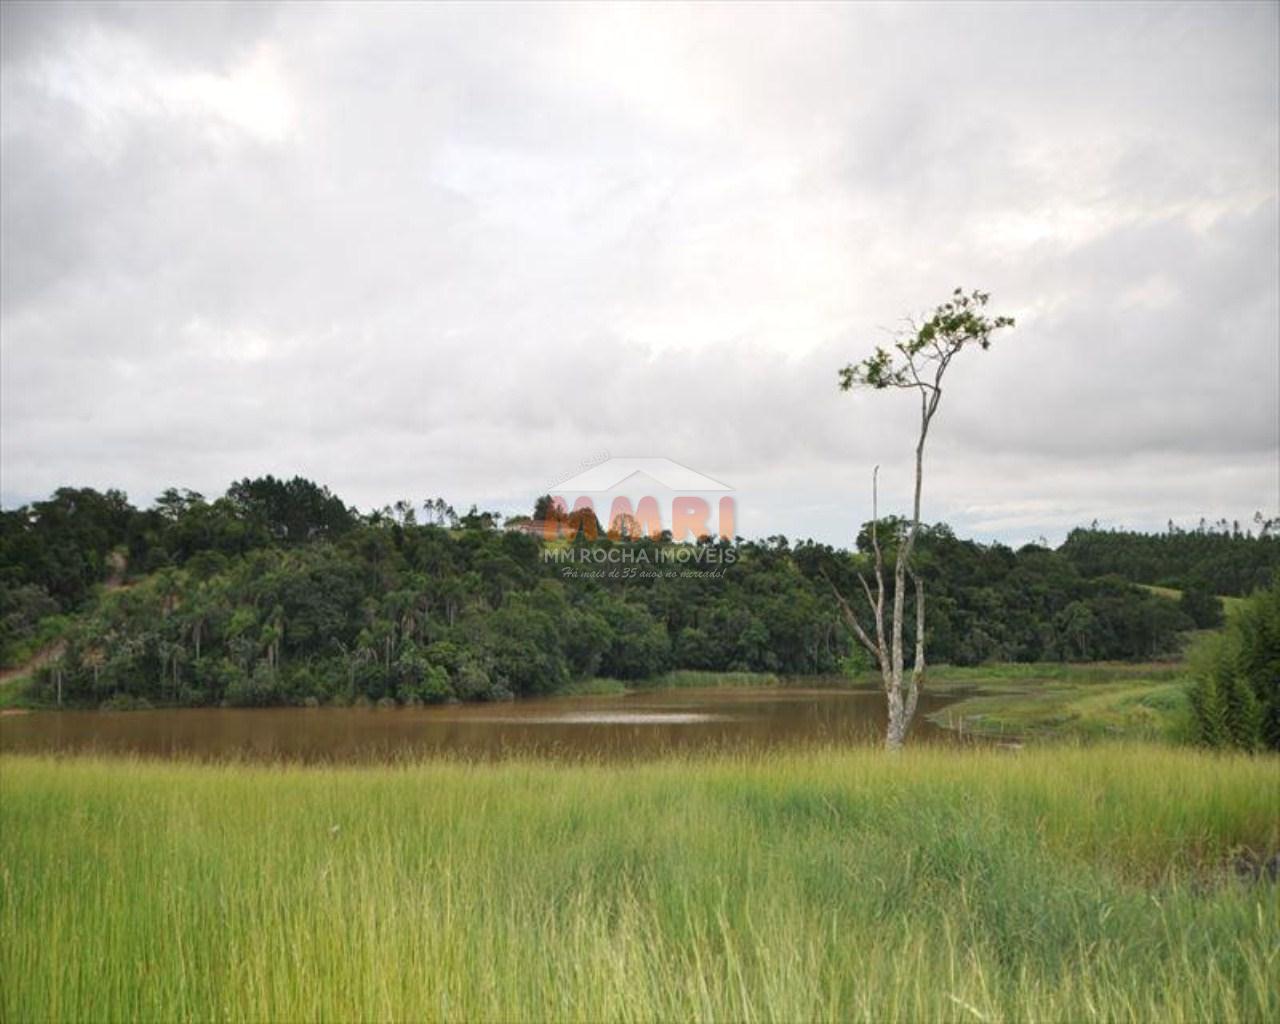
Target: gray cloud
419,250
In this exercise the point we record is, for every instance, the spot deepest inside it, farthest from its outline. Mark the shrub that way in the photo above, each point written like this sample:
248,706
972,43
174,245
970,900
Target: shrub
1202,607
434,686
1236,695
471,682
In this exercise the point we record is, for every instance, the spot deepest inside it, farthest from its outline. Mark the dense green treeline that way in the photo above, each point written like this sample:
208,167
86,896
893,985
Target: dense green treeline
1218,558
279,593
991,603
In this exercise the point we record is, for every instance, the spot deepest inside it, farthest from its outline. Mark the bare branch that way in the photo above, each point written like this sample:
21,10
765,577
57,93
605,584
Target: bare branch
851,618
866,589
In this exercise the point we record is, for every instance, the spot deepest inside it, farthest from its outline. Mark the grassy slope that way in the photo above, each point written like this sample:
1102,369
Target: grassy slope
15,678
940,885
1084,702
1229,604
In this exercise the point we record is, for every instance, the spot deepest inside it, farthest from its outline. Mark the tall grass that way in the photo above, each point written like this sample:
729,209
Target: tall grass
1056,884
681,678
1052,711
686,677
1017,672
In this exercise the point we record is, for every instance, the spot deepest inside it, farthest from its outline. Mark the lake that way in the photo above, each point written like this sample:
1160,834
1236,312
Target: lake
641,724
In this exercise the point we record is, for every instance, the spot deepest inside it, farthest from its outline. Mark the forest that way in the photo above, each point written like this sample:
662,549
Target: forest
278,592
1217,558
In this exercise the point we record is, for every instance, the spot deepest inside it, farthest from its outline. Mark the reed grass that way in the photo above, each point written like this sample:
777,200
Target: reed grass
1052,884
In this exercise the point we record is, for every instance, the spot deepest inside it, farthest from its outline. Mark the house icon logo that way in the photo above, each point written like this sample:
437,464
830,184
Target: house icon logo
632,498
612,474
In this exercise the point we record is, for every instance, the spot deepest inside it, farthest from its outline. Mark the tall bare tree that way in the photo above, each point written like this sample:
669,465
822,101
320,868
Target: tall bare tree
916,361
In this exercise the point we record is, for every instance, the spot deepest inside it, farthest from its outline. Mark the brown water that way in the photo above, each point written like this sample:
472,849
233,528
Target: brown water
642,724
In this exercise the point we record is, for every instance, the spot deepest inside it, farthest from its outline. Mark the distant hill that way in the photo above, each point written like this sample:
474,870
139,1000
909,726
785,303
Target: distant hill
1222,558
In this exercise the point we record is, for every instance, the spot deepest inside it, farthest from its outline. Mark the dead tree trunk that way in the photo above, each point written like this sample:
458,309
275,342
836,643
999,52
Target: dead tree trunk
902,692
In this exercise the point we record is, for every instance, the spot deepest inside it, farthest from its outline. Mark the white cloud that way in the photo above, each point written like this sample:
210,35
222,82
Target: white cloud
417,250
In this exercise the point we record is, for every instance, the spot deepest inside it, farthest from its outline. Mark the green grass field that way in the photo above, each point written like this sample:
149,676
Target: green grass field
1146,701
1055,884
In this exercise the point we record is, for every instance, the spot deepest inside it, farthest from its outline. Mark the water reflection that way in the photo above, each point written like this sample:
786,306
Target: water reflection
642,724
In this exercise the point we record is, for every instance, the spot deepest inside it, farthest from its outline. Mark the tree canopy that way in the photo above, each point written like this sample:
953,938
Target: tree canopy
280,594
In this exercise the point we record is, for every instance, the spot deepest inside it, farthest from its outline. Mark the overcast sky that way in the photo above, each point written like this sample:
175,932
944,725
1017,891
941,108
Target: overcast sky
413,250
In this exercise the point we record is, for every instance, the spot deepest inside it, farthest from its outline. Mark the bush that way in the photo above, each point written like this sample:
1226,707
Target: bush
1201,606
471,681
420,681
1236,695
434,687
